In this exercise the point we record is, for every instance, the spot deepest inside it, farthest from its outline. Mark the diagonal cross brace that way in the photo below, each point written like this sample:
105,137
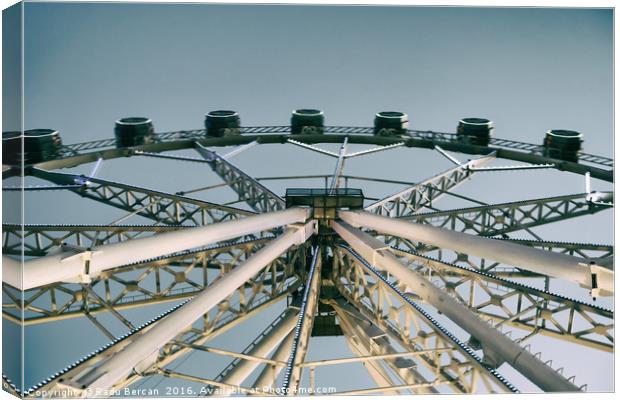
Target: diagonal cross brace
497,219
410,200
159,206
247,188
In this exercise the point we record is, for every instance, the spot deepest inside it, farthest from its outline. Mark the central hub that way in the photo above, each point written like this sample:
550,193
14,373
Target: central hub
325,202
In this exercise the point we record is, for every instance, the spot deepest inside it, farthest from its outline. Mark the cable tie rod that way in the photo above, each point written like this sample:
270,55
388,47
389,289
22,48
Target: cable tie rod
448,156
239,150
512,167
313,148
374,150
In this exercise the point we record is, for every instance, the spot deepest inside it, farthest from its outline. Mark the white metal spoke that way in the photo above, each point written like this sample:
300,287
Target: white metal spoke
83,266
498,345
145,348
535,260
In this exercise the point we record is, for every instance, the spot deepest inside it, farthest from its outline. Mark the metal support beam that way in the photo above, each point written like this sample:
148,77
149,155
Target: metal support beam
498,347
583,250
374,150
144,350
192,338
247,188
551,264
159,206
370,340
439,354
498,219
262,347
518,305
312,148
83,265
176,277
303,329
447,155
239,150
38,240
227,318
335,183
377,372
269,374
409,201
513,167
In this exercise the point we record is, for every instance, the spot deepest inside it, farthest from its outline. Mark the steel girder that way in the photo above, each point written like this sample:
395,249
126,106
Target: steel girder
143,352
208,327
153,281
84,264
583,272
497,347
139,354
455,367
193,338
247,188
358,346
585,250
266,341
499,219
269,374
509,303
364,338
305,322
162,207
602,254
39,240
411,200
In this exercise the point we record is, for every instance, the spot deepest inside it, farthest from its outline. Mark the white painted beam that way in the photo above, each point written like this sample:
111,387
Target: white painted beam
532,259
145,348
262,349
72,267
497,346
268,375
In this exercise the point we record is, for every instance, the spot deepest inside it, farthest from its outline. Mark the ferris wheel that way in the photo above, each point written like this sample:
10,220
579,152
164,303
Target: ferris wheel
427,299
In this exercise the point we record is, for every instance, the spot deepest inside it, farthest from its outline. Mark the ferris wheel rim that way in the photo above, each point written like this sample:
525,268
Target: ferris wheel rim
181,144
170,142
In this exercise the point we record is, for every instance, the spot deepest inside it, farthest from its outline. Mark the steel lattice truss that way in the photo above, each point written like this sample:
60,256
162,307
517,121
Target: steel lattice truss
428,300
499,219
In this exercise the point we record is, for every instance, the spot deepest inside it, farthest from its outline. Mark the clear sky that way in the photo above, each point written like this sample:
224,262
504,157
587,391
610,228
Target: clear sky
528,70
